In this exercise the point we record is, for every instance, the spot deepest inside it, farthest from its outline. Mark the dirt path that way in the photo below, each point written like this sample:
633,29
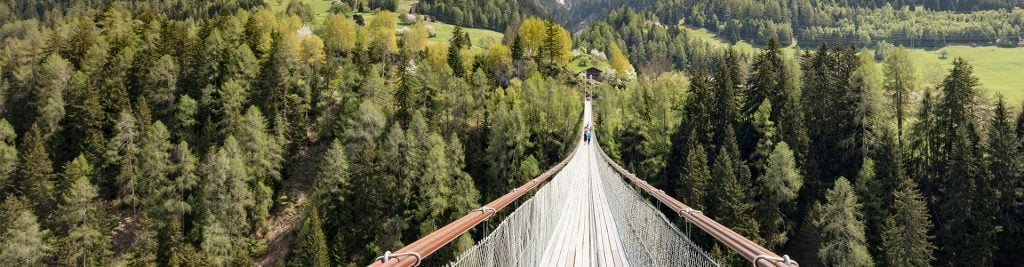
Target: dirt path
300,180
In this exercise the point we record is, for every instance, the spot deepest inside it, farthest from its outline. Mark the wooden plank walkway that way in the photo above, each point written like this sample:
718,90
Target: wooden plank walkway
585,234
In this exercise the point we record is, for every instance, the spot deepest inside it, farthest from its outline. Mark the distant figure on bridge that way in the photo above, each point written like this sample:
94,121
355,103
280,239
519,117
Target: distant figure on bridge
586,137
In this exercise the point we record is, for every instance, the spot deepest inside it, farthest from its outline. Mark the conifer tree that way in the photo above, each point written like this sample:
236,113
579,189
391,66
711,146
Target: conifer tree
1005,162
82,242
35,177
123,154
905,239
726,106
154,167
48,101
83,125
777,190
311,244
455,46
226,195
619,60
966,212
900,80
8,155
770,79
842,228
22,242
693,183
728,202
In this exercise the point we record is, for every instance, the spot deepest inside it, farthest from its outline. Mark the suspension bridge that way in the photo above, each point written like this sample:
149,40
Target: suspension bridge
585,211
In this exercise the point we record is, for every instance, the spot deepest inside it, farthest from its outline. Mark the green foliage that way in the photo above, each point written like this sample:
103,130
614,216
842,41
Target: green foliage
900,81
455,46
694,183
23,242
842,228
729,203
79,216
905,238
311,246
34,180
777,191
8,154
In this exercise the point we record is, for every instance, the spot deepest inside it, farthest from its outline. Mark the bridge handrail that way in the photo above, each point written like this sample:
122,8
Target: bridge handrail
411,254
751,251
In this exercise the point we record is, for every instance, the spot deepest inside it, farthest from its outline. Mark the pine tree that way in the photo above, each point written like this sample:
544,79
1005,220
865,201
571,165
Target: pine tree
905,239
455,46
728,202
82,242
83,125
842,228
832,99
8,155
966,212
872,191
777,190
226,191
154,167
693,183
123,151
35,178
900,80
263,159
618,60
773,78
48,101
311,244
768,136
726,106
22,242
1005,162
517,48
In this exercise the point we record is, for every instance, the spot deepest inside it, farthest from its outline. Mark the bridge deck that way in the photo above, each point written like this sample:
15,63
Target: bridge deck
586,234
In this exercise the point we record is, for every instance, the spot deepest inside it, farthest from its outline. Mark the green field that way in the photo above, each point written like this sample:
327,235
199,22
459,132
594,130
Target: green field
480,38
999,70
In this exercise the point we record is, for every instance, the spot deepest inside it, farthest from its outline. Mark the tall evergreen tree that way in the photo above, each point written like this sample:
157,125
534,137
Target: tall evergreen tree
35,177
777,190
83,125
905,239
832,100
123,155
79,216
8,155
771,79
455,46
1005,163
966,212
842,228
48,101
900,81
693,183
728,202
311,244
22,241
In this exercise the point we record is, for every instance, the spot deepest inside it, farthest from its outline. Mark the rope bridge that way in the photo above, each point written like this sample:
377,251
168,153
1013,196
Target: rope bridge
588,214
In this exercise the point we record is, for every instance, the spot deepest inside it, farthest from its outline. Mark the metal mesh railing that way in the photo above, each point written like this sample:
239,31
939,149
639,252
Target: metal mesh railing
648,237
521,238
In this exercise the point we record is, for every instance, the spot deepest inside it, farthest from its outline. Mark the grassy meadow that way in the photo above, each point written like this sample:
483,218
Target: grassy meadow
480,38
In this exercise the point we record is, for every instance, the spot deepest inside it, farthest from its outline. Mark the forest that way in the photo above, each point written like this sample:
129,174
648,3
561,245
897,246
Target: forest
924,23
131,137
216,133
831,157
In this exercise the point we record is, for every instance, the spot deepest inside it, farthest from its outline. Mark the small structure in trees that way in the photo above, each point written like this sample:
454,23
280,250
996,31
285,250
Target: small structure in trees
591,73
